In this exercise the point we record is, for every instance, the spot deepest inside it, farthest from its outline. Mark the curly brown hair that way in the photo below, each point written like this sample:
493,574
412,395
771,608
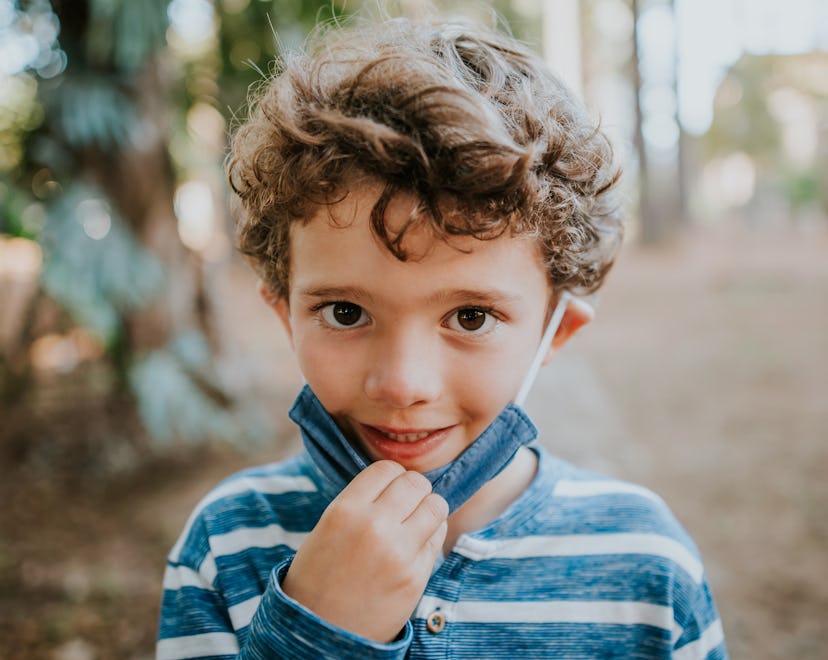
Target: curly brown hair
462,117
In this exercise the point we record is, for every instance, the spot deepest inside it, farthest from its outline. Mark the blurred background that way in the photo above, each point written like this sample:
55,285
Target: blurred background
138,367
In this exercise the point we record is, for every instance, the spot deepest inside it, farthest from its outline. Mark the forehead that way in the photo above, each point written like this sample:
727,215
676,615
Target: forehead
337,247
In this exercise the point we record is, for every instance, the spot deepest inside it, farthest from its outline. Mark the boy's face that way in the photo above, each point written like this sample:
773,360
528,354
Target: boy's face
412,359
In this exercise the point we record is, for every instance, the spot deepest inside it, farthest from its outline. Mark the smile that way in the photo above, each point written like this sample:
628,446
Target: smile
402,444
406,437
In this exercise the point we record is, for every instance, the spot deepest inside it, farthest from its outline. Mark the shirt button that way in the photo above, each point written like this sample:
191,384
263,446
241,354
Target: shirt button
435,622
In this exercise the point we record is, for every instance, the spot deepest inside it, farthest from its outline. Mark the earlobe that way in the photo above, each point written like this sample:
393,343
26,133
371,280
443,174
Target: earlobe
577,314
279,305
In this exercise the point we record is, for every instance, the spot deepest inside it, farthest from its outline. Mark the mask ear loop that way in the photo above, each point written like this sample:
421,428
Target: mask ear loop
546,341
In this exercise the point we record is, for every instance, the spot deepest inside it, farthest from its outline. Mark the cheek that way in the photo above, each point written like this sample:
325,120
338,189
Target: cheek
486,385
331,372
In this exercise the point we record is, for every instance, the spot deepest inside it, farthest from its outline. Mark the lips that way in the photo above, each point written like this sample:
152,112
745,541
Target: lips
402,444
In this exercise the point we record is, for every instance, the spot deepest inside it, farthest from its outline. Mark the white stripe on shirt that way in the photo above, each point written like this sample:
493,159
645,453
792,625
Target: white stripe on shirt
254,537
208,568
576,488
177,577
195,646
582,545
242,614
700,648
270,485
551,611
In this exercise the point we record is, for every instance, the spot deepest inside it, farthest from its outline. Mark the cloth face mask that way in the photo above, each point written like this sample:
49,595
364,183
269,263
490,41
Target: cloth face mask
339,461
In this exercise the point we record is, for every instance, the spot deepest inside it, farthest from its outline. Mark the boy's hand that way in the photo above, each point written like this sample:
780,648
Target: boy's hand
365,565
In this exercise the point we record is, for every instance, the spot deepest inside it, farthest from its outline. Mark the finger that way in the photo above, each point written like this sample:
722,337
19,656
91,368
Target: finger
429,515
404,494
373,480
431,549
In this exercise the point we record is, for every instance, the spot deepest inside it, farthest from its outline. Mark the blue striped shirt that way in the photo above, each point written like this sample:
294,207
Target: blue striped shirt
579,566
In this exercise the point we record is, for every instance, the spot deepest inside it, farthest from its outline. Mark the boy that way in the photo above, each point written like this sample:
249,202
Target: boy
419,199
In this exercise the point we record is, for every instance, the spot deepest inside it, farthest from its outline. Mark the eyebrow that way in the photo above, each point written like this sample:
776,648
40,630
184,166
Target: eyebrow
336,293
485,296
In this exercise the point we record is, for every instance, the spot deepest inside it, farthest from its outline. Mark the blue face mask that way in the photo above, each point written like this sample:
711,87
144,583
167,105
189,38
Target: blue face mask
339,461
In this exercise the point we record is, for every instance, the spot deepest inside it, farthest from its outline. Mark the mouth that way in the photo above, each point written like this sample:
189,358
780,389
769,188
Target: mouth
403,436
402,444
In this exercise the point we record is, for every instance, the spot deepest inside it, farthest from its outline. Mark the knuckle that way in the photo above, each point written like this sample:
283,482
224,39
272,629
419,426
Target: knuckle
388,470
436,506
374,531
417,481
435,542
343,511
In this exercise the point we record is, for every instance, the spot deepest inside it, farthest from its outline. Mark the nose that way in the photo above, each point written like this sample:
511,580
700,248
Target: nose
403,370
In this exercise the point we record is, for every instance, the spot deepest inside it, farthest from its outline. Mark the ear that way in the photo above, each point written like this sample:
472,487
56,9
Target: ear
576,315
279,305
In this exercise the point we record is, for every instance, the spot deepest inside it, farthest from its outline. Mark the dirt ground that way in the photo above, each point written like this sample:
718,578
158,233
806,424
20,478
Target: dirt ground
704,377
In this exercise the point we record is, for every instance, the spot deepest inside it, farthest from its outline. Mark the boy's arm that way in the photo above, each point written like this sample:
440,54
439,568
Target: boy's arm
196,623
701,636
361,572
283,628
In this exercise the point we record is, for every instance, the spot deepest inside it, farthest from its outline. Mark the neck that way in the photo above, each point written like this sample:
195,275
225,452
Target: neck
493,498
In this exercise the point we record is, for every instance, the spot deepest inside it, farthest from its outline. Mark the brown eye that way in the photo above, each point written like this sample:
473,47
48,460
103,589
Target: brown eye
344,315
347,313
471,319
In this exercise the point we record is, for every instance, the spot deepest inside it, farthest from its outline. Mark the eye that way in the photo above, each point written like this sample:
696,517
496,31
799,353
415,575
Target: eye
344,315
471,320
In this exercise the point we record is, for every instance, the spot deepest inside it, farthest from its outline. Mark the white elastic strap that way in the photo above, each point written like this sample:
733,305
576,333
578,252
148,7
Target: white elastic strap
546,340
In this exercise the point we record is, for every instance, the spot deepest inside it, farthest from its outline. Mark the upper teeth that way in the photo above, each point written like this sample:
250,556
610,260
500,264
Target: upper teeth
407,437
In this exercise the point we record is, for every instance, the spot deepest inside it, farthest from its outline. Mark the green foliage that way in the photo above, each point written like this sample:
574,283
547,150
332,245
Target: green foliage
176,402
93,265
124,32
170,403
20,113
90,111
760,104
743,120
801,187
249,40
13,205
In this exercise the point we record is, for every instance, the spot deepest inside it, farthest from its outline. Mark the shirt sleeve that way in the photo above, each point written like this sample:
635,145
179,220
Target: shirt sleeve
700,636
196,622
282,627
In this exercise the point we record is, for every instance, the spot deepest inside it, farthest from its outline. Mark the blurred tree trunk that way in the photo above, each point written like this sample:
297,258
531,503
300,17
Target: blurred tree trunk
649,221
138,179
682,155
561,21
